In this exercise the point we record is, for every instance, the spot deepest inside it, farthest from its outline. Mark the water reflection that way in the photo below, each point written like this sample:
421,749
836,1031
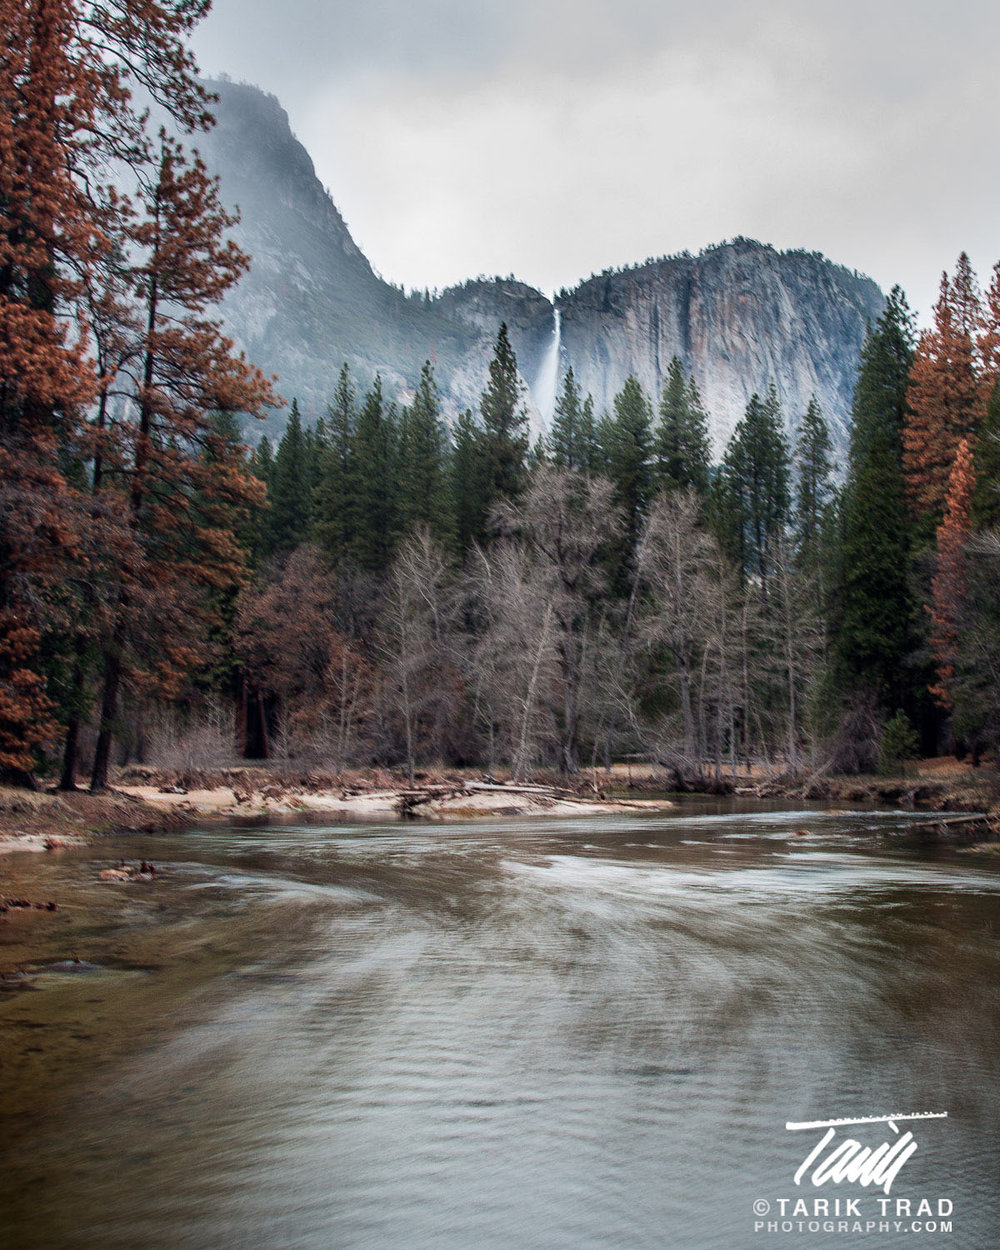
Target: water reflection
562,1034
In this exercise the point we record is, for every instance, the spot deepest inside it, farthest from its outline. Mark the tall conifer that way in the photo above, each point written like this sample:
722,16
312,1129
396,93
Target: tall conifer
986,464
373,483
946,399
571,439
184,372
332,525
754,484
628,454
505,425
290,509
813,488
948,584
424,498
467,483
66,72
682,449
875,630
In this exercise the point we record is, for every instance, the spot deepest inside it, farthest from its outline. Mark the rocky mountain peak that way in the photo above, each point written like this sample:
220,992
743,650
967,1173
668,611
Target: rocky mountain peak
740,315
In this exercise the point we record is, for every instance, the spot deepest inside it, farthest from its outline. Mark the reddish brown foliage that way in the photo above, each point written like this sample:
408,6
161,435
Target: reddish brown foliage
47,236
287,640
947,394
180,487
989,344
79,322
26,722
949,582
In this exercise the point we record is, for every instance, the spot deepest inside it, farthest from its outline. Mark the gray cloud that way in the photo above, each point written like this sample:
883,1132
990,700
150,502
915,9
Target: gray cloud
552,138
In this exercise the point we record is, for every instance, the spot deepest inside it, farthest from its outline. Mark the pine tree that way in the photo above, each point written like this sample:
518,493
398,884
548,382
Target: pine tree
260,464
814,490
505,426
986,493
177,504
754,484
682,448
288,518
571,441
590,460
48,238
262,460
67,75
224,451
628,453
989,339
317,445
899,744
48,232
603,440
331,502
468,488
373,483
537,454
875,631
66,78
946,398
986,463
424,498
949,580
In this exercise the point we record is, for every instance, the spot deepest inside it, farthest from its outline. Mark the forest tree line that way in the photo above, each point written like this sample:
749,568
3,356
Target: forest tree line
610,591
381,588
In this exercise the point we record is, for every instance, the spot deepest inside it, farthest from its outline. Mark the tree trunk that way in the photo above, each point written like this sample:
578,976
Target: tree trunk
109,708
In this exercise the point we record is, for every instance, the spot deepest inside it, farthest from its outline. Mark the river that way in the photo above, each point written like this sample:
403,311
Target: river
564,1035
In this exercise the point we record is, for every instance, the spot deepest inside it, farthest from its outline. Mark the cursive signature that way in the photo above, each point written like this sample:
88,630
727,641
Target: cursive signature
849,1160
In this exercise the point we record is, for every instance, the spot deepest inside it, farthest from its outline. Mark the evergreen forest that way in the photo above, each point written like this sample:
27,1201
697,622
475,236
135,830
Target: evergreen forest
381,588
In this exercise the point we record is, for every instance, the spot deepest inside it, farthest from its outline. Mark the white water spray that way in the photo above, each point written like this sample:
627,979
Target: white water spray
547,380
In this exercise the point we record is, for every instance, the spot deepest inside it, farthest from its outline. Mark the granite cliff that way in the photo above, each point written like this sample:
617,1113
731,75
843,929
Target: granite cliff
740,315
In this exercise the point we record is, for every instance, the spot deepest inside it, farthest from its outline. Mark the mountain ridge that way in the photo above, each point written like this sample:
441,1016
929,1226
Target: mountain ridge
739,314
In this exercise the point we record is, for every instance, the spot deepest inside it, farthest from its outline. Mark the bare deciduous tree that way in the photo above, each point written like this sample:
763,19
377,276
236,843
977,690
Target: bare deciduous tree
512,661
692,625
566,521
419,673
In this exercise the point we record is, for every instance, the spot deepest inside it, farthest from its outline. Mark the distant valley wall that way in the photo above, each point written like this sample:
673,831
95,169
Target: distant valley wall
739,316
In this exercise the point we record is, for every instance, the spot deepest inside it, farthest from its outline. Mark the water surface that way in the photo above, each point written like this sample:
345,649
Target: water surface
564,1034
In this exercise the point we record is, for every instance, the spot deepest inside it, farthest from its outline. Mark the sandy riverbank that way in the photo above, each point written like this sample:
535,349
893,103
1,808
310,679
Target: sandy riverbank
143,800
454,799
150,800
39,821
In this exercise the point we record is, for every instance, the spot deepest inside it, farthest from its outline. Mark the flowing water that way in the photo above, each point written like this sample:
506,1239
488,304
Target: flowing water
578,1034
546,385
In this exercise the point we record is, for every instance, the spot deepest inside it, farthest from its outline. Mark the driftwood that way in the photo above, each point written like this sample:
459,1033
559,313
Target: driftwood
502,787
946,821
989,824
407,800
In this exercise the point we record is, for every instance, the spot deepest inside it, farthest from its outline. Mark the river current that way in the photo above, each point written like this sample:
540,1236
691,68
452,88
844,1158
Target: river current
532,1035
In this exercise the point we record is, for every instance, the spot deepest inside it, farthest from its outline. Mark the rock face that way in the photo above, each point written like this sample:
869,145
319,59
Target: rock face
484,303
312,300
739,316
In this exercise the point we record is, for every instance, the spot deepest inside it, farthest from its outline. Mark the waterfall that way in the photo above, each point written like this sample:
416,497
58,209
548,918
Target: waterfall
547,381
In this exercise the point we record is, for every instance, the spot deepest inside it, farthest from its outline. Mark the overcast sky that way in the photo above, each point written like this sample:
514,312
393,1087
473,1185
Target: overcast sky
553,138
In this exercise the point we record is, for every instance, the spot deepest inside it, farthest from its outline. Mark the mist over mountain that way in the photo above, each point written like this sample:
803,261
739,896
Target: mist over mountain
740,316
